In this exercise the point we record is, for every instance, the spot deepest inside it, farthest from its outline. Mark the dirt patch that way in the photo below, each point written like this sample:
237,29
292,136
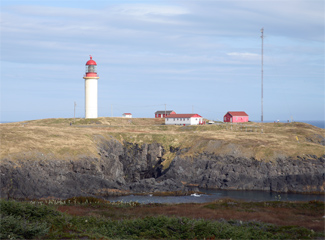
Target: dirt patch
75,210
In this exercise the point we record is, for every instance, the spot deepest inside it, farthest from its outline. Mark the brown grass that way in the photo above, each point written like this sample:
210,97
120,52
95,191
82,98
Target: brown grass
56,139
309,218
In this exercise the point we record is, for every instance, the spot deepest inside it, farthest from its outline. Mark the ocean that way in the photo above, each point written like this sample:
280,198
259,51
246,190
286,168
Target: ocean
316,123
320,124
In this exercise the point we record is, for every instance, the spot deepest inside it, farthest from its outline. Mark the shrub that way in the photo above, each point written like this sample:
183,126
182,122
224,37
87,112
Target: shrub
163,227
26,209
26,220
23,220
12,227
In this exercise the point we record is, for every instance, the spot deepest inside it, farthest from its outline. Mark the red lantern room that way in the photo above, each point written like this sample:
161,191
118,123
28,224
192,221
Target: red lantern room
91,68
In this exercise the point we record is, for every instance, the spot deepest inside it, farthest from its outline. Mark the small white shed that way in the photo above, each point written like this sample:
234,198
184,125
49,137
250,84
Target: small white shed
184,119
127,115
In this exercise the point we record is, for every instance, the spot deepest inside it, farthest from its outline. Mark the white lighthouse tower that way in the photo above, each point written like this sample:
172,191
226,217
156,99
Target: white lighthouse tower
91,89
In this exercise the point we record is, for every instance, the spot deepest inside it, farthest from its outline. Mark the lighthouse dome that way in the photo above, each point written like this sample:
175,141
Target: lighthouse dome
91,61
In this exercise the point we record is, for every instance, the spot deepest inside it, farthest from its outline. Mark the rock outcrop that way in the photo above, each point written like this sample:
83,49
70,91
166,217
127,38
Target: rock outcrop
227,172
133,168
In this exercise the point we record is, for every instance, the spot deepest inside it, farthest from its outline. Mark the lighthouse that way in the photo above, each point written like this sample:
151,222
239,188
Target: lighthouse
91,89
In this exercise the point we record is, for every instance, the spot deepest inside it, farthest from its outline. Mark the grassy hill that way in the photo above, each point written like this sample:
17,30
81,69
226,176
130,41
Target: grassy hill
70,139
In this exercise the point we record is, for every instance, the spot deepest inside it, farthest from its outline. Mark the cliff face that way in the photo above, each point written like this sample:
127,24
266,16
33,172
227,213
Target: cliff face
134,168
283,175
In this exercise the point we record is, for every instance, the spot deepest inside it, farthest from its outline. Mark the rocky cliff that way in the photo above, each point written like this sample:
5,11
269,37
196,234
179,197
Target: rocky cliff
227,172
125,168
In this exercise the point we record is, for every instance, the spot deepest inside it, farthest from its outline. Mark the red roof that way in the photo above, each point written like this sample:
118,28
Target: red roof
91,61
183,115
127,113
163,112
237,113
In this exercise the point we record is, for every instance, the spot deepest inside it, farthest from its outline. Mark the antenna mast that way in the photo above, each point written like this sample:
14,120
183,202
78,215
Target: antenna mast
165,110
262,30
74,112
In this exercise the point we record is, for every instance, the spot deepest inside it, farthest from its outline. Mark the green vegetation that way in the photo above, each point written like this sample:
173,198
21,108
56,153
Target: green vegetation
24,220
314,206
37,219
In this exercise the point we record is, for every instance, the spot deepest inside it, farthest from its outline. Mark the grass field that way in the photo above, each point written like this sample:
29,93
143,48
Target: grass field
70,139
90,218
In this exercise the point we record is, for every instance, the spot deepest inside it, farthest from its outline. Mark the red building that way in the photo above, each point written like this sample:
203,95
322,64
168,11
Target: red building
162,114
235,117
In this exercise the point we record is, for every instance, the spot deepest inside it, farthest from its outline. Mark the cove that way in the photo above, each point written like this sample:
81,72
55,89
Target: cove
213,195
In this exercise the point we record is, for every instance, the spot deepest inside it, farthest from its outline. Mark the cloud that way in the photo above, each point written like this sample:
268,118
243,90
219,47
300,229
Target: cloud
290,18
244,55
202,47
140,10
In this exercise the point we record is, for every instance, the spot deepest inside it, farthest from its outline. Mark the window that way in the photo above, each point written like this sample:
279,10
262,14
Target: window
91,68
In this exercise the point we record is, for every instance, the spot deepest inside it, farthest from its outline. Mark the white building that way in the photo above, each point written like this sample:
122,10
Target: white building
184,119
127,115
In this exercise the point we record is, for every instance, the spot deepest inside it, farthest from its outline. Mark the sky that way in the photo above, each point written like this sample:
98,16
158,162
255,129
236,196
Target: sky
190,56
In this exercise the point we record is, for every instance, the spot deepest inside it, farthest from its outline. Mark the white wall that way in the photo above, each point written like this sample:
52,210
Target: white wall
182,121
196,120
91,98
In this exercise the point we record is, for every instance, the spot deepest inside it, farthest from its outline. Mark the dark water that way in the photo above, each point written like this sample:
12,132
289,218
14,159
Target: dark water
212,195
